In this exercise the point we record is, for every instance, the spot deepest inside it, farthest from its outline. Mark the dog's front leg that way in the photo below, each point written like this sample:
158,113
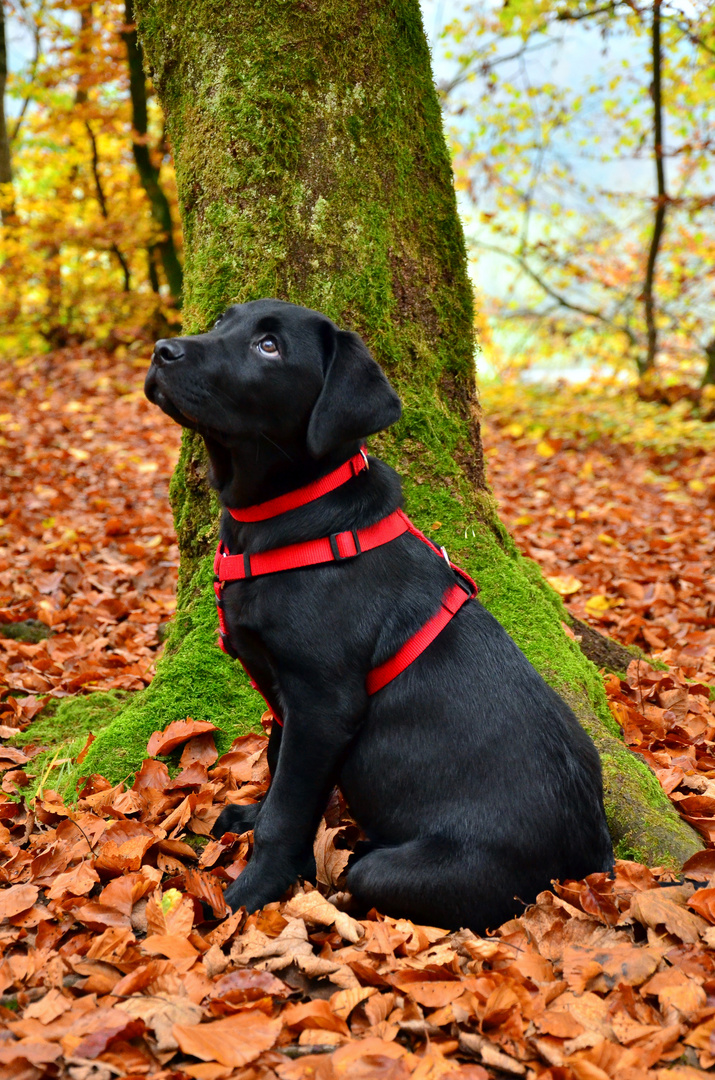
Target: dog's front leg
312,747
240,817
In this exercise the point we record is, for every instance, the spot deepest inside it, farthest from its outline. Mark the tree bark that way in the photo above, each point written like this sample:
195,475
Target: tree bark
312,166
148,173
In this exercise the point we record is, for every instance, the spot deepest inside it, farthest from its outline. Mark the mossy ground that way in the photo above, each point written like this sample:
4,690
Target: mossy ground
62,729
311,165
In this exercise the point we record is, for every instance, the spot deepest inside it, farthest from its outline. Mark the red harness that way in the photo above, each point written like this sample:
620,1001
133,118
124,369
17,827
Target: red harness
335,548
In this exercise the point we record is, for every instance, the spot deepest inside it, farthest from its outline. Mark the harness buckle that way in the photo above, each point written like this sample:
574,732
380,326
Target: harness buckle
333,538
358,466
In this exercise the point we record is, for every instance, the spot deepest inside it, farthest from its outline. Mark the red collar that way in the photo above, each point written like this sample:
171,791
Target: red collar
293,499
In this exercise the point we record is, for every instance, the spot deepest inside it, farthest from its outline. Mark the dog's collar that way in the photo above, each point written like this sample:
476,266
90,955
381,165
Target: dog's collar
303,495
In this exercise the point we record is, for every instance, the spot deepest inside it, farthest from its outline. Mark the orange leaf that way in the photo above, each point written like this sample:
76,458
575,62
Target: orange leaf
178,732
206,887
233,1042
170,913
704,903
16,899
314,1014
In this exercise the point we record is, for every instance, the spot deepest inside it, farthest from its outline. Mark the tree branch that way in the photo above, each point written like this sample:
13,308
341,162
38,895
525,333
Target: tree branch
484,65
578,16
592,313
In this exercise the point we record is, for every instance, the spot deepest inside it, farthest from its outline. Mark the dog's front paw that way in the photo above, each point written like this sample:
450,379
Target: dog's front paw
240,894
236,819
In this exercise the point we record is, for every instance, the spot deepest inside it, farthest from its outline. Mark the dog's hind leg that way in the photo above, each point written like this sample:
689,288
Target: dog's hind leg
433,881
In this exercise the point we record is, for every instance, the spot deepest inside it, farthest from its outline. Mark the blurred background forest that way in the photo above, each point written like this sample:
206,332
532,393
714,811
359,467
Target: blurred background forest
582,140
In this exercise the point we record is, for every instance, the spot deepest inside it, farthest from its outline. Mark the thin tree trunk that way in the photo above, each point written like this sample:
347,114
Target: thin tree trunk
312,166
104,210
148,174
7,208
11,269
659,220
708,378
151,256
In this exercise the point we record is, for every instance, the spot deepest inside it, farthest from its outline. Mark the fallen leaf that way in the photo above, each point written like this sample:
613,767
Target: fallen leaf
313,907
666,907
232,1042
178,732
16,899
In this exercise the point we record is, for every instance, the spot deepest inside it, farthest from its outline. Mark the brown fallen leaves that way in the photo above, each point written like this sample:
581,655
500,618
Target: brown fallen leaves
116,958
670,722
87,541
626,535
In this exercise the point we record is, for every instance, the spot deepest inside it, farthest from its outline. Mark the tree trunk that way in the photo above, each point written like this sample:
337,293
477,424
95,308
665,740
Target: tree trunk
148,173
648,363
708,378
7,202
312,166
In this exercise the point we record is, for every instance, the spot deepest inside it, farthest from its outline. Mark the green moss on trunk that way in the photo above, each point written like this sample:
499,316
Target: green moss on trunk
311,166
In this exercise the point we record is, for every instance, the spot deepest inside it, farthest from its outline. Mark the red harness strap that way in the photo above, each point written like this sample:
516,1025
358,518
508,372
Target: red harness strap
333,548
336,548
301,496
452,601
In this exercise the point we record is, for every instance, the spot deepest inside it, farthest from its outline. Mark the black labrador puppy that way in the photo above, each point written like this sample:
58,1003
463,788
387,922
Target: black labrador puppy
472,779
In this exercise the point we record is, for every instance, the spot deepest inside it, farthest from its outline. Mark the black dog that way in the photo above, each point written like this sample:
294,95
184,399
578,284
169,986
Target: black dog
472,779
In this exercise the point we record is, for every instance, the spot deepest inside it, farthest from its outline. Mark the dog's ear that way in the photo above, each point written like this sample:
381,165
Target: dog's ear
221,471
356,399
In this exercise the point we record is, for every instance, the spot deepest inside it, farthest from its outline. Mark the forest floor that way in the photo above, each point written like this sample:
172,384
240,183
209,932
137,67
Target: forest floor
113,958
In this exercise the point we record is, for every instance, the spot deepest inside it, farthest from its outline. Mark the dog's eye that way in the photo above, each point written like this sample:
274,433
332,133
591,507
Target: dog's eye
218,321
267,346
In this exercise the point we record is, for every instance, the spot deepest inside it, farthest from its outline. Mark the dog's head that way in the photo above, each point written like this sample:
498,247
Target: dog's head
273,371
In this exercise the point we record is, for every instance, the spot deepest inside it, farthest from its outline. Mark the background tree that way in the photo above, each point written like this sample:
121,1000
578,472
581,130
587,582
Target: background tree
594,196
148,170
5,163
92,187
311,165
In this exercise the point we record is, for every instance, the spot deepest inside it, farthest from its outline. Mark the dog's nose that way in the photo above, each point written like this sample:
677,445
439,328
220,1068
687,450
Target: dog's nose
168,351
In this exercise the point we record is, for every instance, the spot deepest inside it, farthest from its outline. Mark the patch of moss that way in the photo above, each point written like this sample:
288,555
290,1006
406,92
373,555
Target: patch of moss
29,630
72,718
63,727
642,821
